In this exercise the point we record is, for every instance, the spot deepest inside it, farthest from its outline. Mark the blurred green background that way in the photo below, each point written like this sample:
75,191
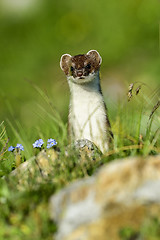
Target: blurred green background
35,33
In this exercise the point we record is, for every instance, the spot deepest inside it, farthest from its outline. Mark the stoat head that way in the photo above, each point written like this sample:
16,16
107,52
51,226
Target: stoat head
81,68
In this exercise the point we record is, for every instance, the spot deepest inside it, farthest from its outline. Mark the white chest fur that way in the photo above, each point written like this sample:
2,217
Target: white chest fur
87,114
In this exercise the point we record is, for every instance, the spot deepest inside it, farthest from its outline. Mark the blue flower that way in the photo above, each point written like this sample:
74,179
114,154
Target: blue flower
38,143
20,147
51,142
11,149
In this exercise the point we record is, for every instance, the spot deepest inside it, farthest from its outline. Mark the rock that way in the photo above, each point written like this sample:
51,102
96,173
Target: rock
86,149
44,160
122,193
35,169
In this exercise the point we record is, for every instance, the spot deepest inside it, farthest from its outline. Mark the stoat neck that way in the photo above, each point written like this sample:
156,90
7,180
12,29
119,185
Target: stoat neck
88,87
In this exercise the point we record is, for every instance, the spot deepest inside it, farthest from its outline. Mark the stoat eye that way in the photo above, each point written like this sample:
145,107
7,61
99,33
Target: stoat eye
88,66
72,68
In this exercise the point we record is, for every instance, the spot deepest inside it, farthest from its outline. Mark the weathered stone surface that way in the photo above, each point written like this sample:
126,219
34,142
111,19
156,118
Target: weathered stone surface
37,169
121,193
86,149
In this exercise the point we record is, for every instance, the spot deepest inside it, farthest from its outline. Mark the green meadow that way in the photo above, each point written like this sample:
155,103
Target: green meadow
34,94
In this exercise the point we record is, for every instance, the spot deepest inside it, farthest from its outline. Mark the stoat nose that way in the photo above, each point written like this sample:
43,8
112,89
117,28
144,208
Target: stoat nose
79,73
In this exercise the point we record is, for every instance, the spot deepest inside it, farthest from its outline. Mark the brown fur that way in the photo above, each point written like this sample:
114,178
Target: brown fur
87,63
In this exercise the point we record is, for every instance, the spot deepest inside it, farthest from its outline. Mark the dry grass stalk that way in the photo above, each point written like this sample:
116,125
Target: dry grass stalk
4,148
130,89
154,109
138,89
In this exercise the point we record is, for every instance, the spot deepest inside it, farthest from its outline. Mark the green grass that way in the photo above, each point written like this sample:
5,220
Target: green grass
149,230
24,210
126,35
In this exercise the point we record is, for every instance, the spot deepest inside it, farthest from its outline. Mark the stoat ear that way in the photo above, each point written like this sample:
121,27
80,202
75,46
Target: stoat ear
64,63
93,54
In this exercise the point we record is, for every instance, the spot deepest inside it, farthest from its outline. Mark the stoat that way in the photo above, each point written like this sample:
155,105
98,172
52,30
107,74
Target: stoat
87,112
